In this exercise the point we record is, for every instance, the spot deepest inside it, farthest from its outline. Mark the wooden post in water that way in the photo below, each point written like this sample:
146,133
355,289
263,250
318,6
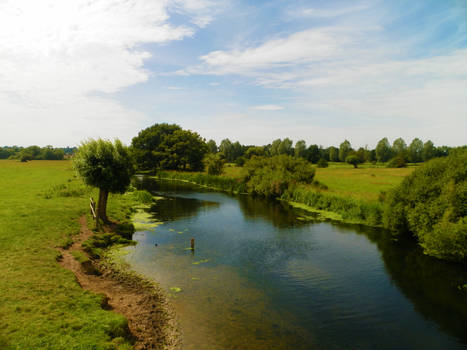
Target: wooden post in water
192,244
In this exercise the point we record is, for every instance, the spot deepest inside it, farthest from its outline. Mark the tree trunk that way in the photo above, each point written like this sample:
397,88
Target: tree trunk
102,207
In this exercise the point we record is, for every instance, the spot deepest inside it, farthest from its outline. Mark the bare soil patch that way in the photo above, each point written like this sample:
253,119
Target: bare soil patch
150,317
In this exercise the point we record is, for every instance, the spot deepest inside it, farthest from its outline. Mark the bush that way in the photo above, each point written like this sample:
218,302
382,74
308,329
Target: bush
214,164
431,204
270,177
397,162
322,163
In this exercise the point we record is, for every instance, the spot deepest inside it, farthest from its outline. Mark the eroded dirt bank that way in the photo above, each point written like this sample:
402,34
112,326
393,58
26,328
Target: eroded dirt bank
150,318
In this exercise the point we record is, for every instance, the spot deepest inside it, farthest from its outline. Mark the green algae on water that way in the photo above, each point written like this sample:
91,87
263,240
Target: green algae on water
200,262
175,289
143,221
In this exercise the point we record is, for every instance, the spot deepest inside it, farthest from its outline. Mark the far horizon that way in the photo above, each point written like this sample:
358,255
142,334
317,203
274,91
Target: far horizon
321,72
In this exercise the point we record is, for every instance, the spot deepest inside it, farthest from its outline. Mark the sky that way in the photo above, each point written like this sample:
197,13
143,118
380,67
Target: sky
252,71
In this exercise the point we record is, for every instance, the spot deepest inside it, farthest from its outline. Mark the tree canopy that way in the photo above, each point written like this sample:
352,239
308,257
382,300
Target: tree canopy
105,165
344,150
168,146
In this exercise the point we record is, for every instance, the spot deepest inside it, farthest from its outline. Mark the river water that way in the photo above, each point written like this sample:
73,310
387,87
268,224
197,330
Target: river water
264,277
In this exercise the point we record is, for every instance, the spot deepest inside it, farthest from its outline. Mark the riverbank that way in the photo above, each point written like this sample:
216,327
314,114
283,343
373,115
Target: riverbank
43,306
321,201
151,321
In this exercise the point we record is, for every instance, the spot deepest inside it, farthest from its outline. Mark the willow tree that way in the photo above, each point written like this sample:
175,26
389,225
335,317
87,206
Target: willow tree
105,165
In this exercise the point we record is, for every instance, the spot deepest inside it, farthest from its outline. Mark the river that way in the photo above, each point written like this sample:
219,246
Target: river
265,276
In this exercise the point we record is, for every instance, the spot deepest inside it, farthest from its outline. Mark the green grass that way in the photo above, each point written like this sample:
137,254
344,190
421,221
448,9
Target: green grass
41,305
364,183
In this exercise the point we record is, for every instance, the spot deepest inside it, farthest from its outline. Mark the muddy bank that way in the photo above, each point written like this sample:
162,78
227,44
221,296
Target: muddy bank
151,319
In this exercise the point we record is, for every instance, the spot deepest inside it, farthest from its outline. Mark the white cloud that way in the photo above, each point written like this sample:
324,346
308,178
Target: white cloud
267,108
327,13
349,74
202,11
55,55
313,45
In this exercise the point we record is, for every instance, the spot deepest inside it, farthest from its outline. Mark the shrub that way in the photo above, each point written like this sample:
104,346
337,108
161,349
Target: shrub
214,164
322,163
431,204
397,162
270,177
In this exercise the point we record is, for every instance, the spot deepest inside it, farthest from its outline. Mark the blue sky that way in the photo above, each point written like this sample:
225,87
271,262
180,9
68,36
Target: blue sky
322,71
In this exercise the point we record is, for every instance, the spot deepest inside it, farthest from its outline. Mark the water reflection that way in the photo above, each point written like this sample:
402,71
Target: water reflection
173,208
279,213
431,284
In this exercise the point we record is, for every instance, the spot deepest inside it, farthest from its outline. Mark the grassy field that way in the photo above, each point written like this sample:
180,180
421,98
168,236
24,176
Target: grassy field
41,305
365,182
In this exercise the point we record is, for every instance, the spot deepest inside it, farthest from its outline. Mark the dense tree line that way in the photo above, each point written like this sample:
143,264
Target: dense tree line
35,153
397,154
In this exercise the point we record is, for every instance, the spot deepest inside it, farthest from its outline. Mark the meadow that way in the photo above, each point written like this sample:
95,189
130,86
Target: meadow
41,304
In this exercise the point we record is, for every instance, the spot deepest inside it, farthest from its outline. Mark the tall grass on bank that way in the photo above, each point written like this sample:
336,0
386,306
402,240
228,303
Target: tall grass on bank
350,209
41,305
216,182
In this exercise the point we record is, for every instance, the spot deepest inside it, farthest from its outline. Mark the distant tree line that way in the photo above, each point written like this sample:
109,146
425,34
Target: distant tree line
169,147
398,154
35,152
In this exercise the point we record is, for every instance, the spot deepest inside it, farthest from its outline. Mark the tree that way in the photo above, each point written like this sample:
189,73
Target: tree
353,159
212,146
274,149
344,150
313,154
226,148
429,151
415,151
285,147
383,150
333,154
399,147
164,146
182,150
105,165
237,151
145,146
361,155
300,149
255,151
